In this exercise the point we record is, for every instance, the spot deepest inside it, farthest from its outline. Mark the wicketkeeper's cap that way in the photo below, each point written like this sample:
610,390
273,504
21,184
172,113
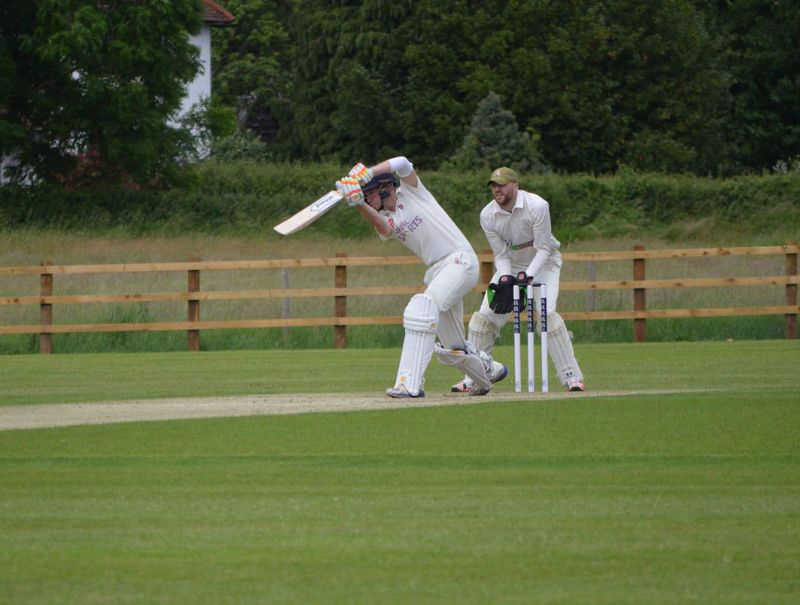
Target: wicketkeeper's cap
503,176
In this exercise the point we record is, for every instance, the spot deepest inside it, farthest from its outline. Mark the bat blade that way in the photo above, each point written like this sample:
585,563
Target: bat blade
309,214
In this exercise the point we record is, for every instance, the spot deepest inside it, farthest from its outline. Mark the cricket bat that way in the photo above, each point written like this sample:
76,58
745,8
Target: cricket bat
309,214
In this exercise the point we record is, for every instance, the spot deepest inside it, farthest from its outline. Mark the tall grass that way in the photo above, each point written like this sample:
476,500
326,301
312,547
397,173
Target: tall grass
30,247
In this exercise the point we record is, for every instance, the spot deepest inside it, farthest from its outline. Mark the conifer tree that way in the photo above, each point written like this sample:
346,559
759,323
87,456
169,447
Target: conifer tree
494,139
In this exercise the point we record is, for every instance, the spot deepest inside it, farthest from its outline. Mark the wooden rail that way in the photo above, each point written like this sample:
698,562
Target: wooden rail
193,295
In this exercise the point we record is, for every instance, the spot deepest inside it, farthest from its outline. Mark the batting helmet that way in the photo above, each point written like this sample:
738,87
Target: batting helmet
380,181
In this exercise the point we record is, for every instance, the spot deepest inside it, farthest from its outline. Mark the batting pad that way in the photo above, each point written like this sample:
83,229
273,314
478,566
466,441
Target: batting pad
420,320
560,347
471,361
482,333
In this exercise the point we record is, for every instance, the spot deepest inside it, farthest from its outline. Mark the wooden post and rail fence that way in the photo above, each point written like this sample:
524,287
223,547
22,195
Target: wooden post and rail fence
194,295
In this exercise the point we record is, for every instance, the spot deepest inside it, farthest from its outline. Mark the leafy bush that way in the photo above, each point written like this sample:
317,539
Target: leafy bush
246,196
244,146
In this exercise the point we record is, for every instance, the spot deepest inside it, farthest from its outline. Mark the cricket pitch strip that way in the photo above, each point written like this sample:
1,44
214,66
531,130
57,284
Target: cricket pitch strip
153,410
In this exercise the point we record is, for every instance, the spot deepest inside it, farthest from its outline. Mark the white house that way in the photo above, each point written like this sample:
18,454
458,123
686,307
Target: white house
214,15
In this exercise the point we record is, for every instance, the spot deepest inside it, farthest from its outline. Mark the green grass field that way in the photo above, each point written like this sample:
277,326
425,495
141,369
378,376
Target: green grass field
690,497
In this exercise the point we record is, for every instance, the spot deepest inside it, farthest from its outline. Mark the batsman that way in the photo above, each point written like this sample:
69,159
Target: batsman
517,225
400,207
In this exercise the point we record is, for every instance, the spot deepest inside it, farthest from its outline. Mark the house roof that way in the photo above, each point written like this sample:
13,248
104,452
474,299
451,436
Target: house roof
214,14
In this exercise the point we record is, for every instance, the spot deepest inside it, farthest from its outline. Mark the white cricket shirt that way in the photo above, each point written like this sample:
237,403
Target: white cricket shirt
521,238
421,224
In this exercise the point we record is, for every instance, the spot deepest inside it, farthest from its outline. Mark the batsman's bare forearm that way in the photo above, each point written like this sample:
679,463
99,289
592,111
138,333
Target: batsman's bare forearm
372,216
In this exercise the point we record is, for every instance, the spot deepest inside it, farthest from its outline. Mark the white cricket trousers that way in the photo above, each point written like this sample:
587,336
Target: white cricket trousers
448,281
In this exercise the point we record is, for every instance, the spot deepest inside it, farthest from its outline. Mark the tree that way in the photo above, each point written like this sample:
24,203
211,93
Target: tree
347,77
435,106
250,60
763,58
605,83
495,140
84,81
708,87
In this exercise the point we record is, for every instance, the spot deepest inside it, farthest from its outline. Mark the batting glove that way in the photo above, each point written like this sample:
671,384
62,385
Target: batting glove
351,190
361,173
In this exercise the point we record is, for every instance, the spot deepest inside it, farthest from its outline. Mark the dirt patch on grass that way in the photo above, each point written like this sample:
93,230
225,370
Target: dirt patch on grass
150,410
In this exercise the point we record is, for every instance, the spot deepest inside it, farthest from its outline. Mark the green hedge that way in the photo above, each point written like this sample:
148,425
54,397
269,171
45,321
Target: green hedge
249,196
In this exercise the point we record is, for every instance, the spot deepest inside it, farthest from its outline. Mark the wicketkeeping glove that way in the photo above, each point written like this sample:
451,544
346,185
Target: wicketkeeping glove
501,294
351,190
522,281
361,173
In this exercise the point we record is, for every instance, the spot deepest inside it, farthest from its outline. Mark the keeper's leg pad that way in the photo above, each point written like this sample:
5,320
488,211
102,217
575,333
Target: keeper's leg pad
560,347
482,332
475,364
420,320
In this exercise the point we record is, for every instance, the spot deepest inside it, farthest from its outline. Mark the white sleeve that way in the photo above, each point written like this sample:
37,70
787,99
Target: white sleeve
401,166
542,236
502,255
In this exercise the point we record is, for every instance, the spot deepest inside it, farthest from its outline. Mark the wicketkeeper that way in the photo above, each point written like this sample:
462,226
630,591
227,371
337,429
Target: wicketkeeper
517,225
405,210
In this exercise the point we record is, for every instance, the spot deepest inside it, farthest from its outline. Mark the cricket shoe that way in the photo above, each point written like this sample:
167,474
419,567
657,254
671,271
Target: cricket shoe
499,371
462,387
401,392
575,384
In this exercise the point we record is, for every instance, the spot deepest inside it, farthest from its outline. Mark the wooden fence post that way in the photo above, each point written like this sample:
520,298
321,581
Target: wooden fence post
286,311
193,336
591,293
790,319
46,311
639,297
340,281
